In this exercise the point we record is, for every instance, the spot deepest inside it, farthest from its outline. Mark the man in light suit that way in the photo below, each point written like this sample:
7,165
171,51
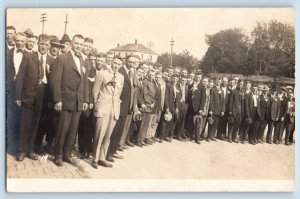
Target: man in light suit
70,95
107,90
31,91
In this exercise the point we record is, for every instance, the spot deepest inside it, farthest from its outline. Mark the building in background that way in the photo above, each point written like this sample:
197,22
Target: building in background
142,51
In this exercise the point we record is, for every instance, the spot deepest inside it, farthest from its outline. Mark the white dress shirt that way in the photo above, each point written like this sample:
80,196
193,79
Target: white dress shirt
46,69
255,100
77,61
18,56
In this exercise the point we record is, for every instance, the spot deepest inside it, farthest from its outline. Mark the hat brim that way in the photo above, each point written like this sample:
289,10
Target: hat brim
57,44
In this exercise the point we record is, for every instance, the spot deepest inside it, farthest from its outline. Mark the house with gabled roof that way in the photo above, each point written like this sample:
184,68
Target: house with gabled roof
142,51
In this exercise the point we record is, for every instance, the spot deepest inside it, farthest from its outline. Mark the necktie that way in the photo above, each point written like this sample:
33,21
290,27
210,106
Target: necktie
78,55
41,68
20,51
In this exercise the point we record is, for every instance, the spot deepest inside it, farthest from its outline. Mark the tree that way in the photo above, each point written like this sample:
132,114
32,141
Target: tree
273,49
227,52
184,60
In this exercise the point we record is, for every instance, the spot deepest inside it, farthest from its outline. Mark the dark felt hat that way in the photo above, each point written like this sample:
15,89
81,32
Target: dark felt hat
210,120
231,119
197,119
137,116
65,38
249,120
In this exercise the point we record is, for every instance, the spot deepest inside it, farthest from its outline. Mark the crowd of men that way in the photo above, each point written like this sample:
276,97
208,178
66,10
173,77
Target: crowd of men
64,90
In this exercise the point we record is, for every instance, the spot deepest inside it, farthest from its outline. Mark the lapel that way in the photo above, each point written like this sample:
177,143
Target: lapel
124,73
35,58
73,64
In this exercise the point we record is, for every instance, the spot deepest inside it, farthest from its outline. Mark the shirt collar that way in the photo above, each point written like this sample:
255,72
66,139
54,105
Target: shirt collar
126,69
44,56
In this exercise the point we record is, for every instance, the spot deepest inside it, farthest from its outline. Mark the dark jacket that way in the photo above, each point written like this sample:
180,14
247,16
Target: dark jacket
249,105
235,104
27,79
274,109
199,98
263,108
69,85
171,101
215,101
225,100
126,93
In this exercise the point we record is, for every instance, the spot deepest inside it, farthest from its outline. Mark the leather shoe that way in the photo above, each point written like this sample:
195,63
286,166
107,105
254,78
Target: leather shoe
94,164
32,156
70,160
116,156
144,144
20,157
197,142
139,144
125,147
58,162
110,159
214,139
120,149
130,144
87,155
81,156
104,164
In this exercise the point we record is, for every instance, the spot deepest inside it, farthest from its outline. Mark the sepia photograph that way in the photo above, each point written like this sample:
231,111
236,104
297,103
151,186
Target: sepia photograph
150,99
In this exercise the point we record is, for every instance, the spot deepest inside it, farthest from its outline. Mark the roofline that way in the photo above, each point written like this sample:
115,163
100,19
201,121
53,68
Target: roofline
154,53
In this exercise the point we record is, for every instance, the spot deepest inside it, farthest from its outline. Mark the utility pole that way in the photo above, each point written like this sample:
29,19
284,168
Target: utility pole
172,44
150,44
66,24
43,20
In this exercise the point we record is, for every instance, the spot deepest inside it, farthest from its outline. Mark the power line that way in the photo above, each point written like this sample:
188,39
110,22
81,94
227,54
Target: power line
43,20
172,44
66,23
150,44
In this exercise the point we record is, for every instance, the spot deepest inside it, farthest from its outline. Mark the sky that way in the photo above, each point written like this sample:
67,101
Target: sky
111,26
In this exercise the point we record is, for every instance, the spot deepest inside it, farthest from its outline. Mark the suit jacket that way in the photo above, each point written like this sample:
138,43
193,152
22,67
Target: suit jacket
199,98
274,108
283,107
215,101
10,69
263,107
235,104
27,79
106,97
172,101
249,105
69,85
225,100
126,93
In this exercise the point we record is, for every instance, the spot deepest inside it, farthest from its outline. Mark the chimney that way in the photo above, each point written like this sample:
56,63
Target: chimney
118,45
135,41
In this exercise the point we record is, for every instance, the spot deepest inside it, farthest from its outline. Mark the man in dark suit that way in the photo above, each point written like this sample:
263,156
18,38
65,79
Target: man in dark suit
264,103
215,109
86,125
180,128
225,95
200,107
279,124
235,110
190,112
290,119
70,94
13,60
31,85
171,105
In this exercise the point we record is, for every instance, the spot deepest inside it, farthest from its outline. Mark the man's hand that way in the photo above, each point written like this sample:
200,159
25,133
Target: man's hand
18,102
222,113
91,106
276,119
85,106
58,106
176,111
152,105
200,112
144,106
167,110
230,113
210,112
282,119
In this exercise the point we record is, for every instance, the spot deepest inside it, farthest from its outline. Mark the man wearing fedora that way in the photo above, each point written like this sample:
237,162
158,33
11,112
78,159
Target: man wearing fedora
279,124
55,48
264,103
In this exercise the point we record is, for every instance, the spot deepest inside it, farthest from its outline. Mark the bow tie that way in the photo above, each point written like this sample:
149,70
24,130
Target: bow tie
78,55
20,51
